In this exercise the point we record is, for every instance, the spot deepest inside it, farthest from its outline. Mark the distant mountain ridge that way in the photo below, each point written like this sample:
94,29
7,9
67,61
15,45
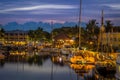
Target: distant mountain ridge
34,25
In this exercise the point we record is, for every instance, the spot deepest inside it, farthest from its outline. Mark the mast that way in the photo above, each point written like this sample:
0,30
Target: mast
102,18
52,32
79,24
102,30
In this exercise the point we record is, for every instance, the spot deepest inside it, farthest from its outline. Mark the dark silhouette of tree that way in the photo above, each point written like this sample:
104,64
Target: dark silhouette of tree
1,32
31,35
92,32
38,35
108,26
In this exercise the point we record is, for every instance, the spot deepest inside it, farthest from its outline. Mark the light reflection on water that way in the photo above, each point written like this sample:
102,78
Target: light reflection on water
20,71
45,71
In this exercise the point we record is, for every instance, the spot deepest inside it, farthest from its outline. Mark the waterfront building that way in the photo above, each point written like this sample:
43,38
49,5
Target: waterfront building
16,37
108,39
62,40
111,39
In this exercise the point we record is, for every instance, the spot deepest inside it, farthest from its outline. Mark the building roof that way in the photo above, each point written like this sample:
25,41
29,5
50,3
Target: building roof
62,36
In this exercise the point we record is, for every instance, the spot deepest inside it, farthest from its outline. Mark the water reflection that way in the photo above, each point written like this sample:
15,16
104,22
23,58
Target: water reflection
84,72
57,60
37,59
46,67
2,63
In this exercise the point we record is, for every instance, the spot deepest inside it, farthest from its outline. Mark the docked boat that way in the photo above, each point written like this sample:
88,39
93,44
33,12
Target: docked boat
80,68
105,67
65,51
105,60
117,75
81,60
2,57
77,60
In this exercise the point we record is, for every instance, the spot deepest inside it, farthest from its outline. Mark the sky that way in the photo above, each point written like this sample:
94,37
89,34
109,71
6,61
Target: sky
60,11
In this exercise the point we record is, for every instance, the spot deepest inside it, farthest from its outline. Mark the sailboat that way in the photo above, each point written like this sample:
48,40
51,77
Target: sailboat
79,55
77,58
117,75
104,65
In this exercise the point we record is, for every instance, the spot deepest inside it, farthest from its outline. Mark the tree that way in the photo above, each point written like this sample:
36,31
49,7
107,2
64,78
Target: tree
92,27
1,32
108,26
92,32
31,35
38,35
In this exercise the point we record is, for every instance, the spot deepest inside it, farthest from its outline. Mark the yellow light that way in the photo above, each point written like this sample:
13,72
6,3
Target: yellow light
91,42
71,40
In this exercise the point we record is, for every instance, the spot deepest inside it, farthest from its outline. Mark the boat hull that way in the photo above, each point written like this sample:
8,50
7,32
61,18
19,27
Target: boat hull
105,70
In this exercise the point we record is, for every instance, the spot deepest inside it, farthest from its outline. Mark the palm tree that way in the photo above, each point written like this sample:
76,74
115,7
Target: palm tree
92,32
109,26
1,33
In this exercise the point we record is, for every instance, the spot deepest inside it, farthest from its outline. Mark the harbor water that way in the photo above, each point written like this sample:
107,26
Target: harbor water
47,69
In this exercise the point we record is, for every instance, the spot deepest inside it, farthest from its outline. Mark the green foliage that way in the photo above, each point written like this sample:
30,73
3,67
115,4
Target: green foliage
70,31
38,35
1,32
108,26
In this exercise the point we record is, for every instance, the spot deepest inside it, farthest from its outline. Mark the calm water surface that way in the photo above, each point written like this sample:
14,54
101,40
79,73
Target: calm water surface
45,71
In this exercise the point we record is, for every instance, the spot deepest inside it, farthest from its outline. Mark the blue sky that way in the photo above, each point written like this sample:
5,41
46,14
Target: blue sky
22,11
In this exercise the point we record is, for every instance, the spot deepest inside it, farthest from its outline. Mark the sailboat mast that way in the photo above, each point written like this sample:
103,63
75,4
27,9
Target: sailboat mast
52,32
102,19
102,25
102,31
79,23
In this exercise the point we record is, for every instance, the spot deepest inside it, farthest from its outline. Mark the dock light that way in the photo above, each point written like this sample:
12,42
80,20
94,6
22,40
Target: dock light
84,49
60,59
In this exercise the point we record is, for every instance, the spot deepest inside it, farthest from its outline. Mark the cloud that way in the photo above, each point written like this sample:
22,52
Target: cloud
39,7
113,6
